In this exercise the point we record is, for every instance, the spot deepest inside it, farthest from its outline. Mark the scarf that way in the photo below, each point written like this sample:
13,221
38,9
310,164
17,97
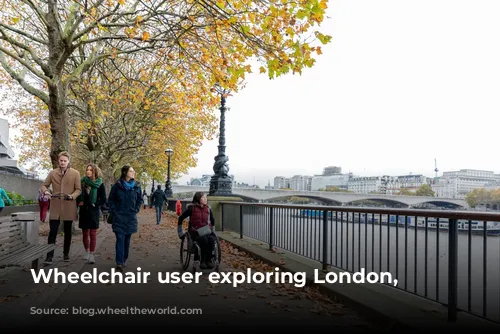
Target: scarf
94,185
128,185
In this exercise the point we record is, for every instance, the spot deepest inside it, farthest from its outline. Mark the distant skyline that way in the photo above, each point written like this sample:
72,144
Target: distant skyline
402,83
261,175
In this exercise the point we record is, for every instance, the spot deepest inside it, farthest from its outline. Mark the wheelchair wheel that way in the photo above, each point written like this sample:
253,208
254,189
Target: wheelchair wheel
185,253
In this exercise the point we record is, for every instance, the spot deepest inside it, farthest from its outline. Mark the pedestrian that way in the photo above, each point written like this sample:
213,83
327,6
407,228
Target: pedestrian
65,182
201,225
90,202
3,194
124,201
158,198
145,199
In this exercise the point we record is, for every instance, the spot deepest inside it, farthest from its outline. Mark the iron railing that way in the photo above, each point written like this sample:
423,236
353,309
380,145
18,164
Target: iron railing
452,257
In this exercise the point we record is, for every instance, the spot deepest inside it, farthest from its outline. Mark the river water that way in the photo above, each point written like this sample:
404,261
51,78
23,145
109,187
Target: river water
418,260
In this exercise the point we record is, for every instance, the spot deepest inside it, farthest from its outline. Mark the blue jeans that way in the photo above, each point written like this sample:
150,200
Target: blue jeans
122,247
158,213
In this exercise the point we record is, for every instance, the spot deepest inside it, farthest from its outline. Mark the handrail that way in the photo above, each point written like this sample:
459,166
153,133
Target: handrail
452,214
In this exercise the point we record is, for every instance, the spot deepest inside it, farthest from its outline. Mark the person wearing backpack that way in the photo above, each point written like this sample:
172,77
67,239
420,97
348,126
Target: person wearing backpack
44,204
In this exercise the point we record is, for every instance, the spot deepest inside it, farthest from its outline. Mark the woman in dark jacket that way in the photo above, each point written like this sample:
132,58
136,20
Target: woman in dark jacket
200,217
124,201
90,201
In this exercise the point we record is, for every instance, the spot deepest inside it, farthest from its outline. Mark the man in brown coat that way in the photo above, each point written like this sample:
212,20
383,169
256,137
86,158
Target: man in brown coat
65,181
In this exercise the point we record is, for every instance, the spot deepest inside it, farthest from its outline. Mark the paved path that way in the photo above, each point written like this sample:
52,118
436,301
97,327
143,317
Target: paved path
156,249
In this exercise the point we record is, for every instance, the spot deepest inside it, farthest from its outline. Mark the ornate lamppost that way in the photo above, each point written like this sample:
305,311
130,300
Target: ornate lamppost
168,185
221,182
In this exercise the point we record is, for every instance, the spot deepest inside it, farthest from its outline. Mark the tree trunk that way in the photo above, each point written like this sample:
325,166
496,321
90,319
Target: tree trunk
59,51
58,119
108,177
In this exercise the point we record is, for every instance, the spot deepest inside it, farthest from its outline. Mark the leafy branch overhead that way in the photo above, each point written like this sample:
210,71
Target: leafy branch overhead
47,47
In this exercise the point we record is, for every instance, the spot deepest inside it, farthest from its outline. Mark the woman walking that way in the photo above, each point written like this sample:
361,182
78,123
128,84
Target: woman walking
125,201
145,199
90,201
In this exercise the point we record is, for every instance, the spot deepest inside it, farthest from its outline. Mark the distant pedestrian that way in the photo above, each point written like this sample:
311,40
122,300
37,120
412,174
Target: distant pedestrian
158,199
145,198
124,201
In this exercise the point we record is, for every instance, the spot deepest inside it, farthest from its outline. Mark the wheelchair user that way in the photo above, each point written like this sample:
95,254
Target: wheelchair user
201,222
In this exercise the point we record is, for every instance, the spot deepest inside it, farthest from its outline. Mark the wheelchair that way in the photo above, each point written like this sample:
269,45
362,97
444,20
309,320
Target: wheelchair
189,247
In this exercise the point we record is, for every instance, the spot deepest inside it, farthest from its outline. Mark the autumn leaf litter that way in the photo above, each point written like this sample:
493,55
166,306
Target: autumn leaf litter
234,259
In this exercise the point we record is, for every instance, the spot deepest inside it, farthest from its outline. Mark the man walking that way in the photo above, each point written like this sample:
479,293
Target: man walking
65,182
158,198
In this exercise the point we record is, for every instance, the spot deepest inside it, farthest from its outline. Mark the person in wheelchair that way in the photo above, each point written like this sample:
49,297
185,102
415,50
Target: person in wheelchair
201,223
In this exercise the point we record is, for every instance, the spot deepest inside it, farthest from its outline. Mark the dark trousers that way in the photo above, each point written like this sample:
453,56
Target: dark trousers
122,247
207,243
159,209
54,228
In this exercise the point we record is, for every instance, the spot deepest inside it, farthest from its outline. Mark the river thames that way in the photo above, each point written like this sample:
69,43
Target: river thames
418,260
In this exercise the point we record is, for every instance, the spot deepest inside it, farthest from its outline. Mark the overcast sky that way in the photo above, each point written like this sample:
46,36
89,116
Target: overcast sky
403,82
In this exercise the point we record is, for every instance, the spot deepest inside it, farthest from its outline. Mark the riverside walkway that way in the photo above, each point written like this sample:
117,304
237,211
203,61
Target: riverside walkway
155,248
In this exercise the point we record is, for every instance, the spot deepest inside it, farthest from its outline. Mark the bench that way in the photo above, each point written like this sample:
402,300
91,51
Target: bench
15,248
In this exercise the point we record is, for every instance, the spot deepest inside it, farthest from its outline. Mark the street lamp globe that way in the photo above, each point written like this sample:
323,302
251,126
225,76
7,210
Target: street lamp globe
169,152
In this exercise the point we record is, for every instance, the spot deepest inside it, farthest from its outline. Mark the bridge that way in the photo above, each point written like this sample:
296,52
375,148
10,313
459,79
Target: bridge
335,198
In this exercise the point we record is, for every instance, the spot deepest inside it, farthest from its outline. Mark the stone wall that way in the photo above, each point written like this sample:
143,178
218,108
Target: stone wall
25,187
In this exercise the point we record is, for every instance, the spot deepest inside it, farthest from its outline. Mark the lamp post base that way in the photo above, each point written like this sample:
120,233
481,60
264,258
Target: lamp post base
168,189
220,186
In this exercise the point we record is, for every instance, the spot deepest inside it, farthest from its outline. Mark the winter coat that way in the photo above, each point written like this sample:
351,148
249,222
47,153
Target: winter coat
89,215
69,184
198,216
158,198
123,206
3,194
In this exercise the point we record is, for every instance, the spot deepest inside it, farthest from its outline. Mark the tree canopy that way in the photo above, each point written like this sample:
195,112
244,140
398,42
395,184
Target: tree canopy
55,49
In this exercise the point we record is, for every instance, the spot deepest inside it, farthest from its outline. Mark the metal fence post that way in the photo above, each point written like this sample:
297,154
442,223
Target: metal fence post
452,269
325,240
222,217
241,221
271,228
